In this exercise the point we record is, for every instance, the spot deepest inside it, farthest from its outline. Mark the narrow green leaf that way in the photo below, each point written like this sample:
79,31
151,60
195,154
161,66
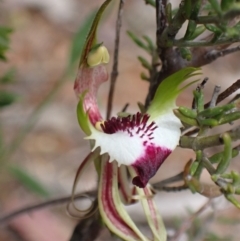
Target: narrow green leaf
28,181
145,63
137,41
149,42
226,4
4,41
6,98
8,77
216,6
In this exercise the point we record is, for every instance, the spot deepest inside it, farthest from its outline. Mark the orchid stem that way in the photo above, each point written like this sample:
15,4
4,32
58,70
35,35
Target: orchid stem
114,73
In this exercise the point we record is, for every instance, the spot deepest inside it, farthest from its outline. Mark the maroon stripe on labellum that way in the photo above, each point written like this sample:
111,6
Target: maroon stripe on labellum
107,200
128,123
147,165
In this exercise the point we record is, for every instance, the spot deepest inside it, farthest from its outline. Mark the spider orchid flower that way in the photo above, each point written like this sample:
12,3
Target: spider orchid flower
136,144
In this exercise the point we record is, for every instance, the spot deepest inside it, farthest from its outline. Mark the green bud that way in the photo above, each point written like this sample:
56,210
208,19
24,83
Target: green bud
185,53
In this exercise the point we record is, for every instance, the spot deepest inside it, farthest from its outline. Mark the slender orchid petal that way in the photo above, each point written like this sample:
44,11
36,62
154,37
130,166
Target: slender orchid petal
126,191
151,212
112,211
82,168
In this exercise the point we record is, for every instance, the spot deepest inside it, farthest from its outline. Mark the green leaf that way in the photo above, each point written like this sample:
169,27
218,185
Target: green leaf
4,41
226,4
6,98
145,63
137,41
8,77
216,6
28,181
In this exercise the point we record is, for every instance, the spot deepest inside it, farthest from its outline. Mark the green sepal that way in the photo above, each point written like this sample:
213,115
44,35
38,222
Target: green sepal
82,115
168,90
91,38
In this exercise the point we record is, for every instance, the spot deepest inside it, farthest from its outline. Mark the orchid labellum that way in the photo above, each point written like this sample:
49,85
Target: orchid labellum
136,144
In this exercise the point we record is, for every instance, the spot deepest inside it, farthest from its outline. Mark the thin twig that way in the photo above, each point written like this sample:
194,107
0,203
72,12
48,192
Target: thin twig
230,90
215,54
114,73
188,222
58,201
215,95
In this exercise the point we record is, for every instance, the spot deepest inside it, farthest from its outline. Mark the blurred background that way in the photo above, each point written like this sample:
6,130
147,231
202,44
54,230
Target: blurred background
51,152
